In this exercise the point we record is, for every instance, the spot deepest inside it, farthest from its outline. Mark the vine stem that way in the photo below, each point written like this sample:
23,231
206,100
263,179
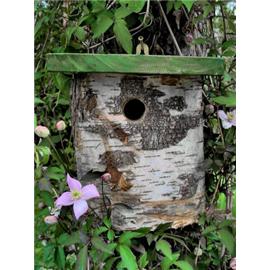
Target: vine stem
170,29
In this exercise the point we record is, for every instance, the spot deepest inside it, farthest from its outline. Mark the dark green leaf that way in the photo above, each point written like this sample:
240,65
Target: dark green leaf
209,229
127,236
102,24
228,240
122,35
47,198
136,6
81,263
99,244
128,258
60,258
69,239
229,100
80,33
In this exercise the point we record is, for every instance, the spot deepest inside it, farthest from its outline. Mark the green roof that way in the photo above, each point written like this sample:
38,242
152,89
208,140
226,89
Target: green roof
136,64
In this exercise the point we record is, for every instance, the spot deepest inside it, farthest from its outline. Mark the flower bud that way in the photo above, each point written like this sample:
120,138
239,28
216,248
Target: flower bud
209,109
60,125
188,38
233,263
198,252
106,177
50,220
42,131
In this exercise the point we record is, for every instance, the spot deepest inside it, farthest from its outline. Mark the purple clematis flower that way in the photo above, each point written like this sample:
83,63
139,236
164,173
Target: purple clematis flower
228,120
77,196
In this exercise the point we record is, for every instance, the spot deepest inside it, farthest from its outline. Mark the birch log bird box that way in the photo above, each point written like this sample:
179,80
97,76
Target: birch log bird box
139,117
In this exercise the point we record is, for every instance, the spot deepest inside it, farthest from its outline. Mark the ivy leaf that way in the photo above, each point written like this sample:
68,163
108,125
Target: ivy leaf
122,35
184,265
81,263
128,258
188,4
229,100
228,240
102,24
165,248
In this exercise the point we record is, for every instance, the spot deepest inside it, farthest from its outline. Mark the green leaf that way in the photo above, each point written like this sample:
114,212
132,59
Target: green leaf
227,240
38,101
165,263
47,198
165,248
107,222
98,5
35,120
99,244
44,153
80,33
102,24
122,35
143,261
110,235
55,173
62,83
184,265
122,12
109,263
68,33
127,236
234,204
128,258
229,100
169,6
71,239
60,258
188,4
209,229
136,6
221,202
81,263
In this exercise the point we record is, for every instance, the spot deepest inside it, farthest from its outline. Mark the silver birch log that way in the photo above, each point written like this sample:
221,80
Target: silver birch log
153,148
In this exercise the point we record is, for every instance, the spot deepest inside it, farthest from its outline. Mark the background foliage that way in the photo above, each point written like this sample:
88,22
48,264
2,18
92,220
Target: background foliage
200,28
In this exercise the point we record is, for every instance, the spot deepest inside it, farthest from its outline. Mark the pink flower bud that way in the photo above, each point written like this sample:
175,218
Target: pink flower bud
106,177
209,109
42,131
188,38
233,263
60,125
50,220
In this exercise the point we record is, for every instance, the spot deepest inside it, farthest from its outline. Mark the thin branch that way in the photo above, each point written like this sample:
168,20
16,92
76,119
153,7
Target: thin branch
170,30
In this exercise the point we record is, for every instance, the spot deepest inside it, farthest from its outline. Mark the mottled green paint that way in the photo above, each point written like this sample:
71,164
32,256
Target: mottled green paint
138,64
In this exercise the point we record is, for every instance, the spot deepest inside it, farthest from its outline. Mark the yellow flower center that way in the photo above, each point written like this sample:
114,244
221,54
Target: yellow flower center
230,116
75,194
